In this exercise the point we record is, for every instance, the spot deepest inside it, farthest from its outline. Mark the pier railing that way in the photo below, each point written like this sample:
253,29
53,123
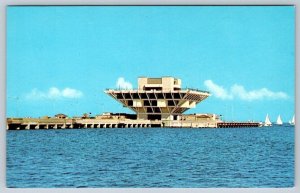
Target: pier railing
154,90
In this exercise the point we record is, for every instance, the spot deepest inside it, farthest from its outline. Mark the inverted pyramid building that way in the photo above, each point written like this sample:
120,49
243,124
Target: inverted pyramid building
158,98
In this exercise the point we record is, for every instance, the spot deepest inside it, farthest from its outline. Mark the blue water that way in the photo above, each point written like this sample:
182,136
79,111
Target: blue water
152,157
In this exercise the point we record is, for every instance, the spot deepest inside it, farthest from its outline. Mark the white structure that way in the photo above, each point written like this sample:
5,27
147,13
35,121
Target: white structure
159,98
292,122
279,121
267,121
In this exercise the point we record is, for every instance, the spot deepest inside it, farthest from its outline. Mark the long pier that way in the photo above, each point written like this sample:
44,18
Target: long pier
238,124
73,123
54,123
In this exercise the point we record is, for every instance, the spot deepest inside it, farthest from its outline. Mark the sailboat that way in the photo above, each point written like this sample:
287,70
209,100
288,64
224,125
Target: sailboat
279,121
292,122
267,121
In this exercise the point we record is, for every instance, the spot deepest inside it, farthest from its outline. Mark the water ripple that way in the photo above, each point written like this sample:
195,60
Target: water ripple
243,157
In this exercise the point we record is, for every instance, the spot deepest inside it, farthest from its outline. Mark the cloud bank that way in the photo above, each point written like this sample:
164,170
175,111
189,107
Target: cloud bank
238,91
123,84
55,93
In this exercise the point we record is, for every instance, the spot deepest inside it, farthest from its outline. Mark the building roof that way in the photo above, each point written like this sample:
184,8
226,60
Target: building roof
61,115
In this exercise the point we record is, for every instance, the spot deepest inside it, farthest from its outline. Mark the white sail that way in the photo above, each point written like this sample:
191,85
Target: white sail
267,121
292,122
279,121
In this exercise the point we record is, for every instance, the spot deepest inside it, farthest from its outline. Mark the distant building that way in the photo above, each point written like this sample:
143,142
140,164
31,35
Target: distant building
119,116
200,117
159,98
86,115
60,116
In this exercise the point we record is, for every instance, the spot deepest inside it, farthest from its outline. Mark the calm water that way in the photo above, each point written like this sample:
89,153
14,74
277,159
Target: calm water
241,157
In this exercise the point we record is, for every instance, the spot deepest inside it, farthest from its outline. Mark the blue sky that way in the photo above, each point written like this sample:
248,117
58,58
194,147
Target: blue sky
60,59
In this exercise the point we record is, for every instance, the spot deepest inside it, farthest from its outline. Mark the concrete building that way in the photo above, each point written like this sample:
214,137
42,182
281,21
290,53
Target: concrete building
159,98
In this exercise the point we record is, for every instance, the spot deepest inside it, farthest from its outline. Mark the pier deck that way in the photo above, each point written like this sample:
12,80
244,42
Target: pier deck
238,124
68,123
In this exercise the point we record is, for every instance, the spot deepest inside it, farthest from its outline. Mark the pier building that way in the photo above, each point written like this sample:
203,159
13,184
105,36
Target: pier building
158,98
157,102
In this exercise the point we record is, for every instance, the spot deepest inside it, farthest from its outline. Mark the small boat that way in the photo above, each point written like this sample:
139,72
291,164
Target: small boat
292,122
267,121
279,121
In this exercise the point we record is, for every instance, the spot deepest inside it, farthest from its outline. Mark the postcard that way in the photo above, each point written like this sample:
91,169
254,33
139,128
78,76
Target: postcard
150,96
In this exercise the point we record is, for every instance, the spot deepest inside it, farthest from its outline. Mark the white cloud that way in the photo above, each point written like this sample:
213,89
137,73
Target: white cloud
217,90
71,93
238,91
54,93
123,84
